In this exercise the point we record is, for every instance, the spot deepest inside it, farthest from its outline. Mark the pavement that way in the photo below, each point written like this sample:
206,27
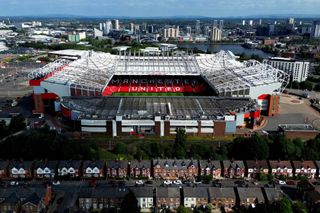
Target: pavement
293,110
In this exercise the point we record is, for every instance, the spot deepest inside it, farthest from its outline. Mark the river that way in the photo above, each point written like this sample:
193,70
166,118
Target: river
237,49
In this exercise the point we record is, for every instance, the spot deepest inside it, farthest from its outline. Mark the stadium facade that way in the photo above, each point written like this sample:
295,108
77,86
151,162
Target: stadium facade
218,93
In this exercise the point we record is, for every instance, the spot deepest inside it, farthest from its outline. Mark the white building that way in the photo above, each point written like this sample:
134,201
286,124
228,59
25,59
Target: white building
132,27
97,33
144,196
31,24
116,24
171,32
216,34
298,70
108,27
316,30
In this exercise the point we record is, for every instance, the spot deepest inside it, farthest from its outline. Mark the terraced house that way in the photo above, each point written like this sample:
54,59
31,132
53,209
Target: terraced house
172,169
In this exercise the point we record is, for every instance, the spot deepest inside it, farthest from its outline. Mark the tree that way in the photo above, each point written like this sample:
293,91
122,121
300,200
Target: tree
317,87
120,148
299,207
306,85
255,147
17,123
295,85
285,206
3,129
179,147
130,204
182,209
262,177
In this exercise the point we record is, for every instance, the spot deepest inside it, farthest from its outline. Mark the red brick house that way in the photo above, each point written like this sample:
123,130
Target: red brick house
210,167
93,169
304,168
140,168
172,169
20,169
117,168
3,169
255,167
233,169
281,168
168,198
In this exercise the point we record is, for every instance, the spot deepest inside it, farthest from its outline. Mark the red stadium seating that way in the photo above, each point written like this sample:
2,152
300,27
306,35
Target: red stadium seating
154,84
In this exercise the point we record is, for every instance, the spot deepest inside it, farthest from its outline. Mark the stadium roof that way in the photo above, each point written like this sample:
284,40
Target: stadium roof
148,107
222,70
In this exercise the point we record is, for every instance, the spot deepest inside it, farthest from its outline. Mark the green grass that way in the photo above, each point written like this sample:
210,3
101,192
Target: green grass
146,94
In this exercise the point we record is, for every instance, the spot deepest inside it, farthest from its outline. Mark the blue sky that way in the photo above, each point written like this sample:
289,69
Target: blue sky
149,8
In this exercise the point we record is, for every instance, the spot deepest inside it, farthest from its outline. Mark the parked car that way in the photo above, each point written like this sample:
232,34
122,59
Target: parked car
139,182
167,182
177,182
282,182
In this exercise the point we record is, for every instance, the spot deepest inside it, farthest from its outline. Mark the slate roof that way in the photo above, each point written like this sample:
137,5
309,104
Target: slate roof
232,164
142,191
92,164
245,193
212,164
272,194
20,164
117,164
281,164
69,163
43,164
220,193
3,164
175,164
303,164
258,164
198,192
168,192
140,164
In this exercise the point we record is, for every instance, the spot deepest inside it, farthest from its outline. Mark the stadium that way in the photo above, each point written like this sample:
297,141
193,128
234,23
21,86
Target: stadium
130,93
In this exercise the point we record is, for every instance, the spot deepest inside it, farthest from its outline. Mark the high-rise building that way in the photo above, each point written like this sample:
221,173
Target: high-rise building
189,30
291,21
221,24
316,30
251,22
260,22
243,22
108,27
215,23
101,26
150,29
198,27
206,30
132,27
298,70
171,32
116,24
216,34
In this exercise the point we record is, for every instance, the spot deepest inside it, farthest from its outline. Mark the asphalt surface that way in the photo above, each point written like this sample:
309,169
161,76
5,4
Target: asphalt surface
293,113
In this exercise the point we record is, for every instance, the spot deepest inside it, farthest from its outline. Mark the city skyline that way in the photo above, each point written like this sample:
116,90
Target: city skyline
152,8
